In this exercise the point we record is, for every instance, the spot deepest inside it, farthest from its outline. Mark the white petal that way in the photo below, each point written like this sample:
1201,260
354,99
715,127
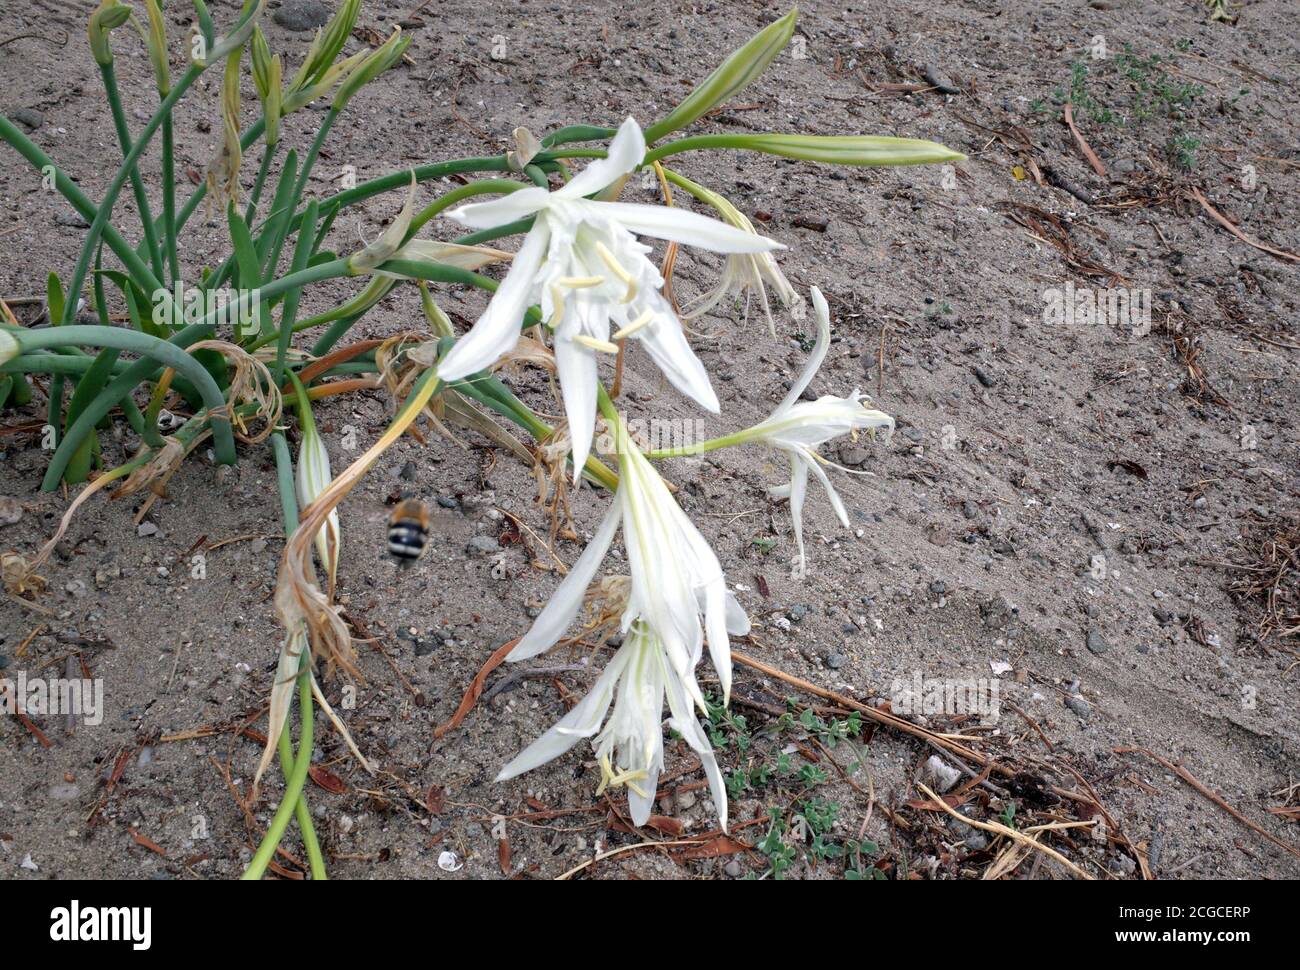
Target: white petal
498,212
684,722
578,379
667,345
715,618
798,488
566,601
737,618
823,315
581,722
497,330
643,805
683,226
625,154
831,493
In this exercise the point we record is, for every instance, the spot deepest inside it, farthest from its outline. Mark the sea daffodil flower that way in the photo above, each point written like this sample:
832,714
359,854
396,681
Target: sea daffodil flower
313,477
799,428
675,577
582,262
630,748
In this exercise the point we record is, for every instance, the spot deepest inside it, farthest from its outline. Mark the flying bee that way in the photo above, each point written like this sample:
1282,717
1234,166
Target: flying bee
408,531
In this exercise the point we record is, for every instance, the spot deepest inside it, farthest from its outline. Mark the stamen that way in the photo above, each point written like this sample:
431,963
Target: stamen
614,267
594,344
635,325
557,306
580,282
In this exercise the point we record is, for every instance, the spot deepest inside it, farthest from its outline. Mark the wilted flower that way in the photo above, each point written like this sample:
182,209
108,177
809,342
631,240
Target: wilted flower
109,15
582,262
745,272
799,428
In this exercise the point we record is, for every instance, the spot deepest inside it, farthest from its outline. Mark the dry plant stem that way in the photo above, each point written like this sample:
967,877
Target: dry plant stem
1192,780
1003,830
949,742
298,598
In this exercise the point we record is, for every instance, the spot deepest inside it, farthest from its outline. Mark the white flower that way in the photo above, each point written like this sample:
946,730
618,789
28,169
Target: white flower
799,428
746,273
585,267
675,578
630,749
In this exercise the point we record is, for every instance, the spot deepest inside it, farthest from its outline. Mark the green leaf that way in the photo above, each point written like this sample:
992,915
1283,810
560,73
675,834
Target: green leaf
731,77
54,298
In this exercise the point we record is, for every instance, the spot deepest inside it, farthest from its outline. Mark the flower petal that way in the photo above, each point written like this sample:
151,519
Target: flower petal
567,599
798,488
667,345
581,722
497,330
508,208
681,225
737,618
625,154
684,722
578,381
715,619
830,493
823,314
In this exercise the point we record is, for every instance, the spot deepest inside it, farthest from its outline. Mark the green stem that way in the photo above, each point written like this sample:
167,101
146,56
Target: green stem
109,74
293,786
28,149
169,198
115,188
141,370
146,346
267,153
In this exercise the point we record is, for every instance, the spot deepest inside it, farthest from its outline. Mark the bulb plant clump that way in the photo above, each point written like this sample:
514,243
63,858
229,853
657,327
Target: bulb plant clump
229,346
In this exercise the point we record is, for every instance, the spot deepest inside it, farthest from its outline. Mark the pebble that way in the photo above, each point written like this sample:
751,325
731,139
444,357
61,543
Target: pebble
145,529
29,118
935,75
1080,707
1097,643
10,510
71,219
301,14
448,502
732,869
482,546
106,574
836,660
940,774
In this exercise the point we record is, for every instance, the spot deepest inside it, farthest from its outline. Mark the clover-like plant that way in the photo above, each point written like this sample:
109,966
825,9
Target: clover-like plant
226,344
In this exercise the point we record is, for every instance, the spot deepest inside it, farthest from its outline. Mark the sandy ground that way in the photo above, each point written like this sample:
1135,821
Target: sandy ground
1056,509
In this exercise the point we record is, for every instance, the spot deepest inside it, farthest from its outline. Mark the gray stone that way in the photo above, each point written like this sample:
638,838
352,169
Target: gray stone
1097,643
10,510
836,660
1080,707
482,546
301,14
73,220
29,118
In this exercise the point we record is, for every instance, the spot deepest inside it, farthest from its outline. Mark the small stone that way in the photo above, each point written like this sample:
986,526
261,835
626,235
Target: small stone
10,510
1097,643
301,14
836,660
106,573
685,800
29,118
146,529
935,75
73,220
257,546
448,502
984,377
732,869
76,587
940,774
799,611
938,587
482,546
1080,707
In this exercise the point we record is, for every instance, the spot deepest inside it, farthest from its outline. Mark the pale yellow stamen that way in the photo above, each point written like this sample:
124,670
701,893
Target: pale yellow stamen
616,268
594,344
635,325
608,778
568,283
580,282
